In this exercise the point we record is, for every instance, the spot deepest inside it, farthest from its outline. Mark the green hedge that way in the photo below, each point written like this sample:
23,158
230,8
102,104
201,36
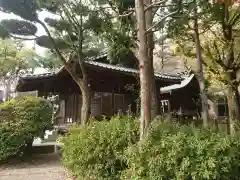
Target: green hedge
21,120
95,151
111,150
182,152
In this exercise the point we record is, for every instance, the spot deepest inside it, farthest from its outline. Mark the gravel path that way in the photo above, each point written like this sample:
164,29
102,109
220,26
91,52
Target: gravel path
41,167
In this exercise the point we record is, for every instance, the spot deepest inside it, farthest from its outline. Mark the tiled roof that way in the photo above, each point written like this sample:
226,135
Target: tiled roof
103,54
93,61
131,70
183,84
33,76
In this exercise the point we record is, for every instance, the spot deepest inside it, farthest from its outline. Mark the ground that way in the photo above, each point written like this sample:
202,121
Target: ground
41,167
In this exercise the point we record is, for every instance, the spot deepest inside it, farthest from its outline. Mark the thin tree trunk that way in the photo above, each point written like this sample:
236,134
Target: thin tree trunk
233,103
231,107
145,73
150,44
237,103
7,89
86,105
201,79
86,102
231,77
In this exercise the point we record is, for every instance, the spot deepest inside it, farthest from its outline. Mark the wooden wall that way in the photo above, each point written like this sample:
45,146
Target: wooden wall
103,104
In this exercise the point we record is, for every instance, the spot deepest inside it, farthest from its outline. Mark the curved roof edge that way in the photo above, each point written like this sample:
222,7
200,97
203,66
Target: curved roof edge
184,83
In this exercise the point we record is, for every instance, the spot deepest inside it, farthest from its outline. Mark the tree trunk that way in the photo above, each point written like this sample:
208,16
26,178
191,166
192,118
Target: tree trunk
232,100
145,73
231,107
150,44
231,78
232,96
86,102
201,79
237,103
7,89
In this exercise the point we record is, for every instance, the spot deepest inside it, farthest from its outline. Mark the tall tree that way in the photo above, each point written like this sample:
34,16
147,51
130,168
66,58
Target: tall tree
145,11
68,37
125,32
218,31
144,66
201,78
150,46
188,25
228,55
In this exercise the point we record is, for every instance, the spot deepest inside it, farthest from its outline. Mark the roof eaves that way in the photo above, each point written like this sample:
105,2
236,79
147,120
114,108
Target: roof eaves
183,84
131,70
36,76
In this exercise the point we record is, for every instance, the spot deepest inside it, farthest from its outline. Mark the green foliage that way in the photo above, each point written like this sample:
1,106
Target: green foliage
182,152
108,150
21,120
20,27
49,5
14,58
3,32
59,25
79,23
95,151
45,41
26,9
49,61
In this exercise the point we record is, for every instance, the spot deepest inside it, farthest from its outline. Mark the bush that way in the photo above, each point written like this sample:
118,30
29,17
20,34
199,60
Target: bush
95,151
182,152
21,120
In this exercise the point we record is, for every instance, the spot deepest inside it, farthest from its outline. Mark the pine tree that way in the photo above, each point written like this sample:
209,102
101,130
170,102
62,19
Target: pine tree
68,36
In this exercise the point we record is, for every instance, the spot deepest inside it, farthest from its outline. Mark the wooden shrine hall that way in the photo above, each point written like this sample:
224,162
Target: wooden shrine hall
114,90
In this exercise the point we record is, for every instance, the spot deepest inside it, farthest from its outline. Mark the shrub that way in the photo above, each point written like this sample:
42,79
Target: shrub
21,120
183,152
95,151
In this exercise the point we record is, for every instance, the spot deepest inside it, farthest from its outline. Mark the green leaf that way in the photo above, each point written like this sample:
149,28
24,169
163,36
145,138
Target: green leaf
19,27
45,41
27,9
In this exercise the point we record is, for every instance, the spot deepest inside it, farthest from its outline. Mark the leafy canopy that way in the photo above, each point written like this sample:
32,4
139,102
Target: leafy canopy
15,59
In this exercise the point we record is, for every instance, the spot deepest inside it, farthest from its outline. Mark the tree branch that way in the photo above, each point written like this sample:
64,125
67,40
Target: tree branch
63,60
156,4
235,18
160,21
126,14
236,63
219,60
80,49
69,17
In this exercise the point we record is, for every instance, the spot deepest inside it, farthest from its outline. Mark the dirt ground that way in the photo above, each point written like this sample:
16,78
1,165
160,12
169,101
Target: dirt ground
41,167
